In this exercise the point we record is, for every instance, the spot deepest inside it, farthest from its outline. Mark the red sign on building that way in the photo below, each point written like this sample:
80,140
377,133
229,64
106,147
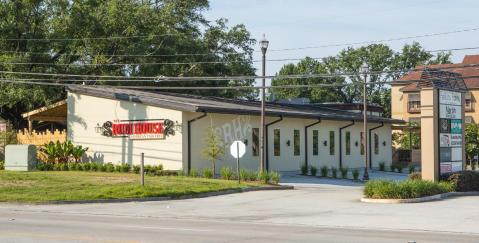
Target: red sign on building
149,129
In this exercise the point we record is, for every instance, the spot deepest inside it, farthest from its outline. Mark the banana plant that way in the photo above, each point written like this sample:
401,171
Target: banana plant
64,151
50,150
78,152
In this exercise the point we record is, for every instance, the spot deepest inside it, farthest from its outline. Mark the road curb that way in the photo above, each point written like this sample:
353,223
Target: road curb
152,199
420,199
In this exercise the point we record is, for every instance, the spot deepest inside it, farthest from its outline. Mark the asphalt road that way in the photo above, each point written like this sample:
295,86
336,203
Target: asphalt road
60,227
317,211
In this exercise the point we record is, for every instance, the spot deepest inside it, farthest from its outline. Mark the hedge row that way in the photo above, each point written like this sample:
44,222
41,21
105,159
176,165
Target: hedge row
387,189
106,167
463,181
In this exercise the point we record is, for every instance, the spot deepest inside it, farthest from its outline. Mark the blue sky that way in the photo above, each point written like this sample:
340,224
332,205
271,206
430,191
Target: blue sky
297,23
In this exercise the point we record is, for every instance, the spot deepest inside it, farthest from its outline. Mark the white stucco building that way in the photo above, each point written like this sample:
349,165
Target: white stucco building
114,124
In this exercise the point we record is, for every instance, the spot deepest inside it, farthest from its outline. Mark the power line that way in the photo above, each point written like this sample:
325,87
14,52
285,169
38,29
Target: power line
231,87
211,78
377,41
227,87
193,63
225,53
130,55
90,38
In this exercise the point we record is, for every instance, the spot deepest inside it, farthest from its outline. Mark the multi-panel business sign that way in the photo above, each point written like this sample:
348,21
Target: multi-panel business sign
139,129
450,131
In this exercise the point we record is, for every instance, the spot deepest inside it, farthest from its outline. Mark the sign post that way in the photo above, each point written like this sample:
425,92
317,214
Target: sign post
451,132
142,170
442,132
237,150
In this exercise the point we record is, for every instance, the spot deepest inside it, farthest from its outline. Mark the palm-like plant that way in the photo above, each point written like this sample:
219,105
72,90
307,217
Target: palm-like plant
78,152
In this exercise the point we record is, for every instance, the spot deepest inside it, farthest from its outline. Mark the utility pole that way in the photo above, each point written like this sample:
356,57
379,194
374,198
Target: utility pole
264,46
365,70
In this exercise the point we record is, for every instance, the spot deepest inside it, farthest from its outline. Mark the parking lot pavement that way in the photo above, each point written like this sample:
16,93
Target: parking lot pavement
328,204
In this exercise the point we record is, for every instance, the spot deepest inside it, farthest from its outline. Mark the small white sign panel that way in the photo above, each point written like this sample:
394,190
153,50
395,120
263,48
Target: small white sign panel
237,149
449,97
450,111
456,154
456,140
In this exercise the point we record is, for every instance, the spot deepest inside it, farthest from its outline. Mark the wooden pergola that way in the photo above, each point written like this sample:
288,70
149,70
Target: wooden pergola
56,112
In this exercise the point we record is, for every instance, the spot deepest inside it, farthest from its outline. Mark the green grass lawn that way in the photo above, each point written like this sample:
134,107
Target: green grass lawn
68,185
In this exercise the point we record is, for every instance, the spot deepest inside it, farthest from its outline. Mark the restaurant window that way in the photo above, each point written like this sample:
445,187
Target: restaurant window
277,142
348,143
255,141
376,144
331,142
315,142
468,105
362,142
296,143
414,102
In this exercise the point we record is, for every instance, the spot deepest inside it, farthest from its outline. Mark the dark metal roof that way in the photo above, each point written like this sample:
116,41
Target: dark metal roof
192,103
442,79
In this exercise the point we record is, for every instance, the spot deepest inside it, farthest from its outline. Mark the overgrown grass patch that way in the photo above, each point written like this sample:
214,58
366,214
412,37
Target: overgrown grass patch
41,186
387,189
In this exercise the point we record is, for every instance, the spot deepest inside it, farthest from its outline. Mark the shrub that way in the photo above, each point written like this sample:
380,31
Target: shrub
274,177
226,173
356,174
382,166
64,167
252,175
392,168
334,172
324,171
399,168
136,169
304,169
109,167
2,165
71,166
103,167
168,172
95,166
412,169
86,166
415,176
244,175
56,167
263,176
42,166
181,173
313,170
208,173
194,173
463,181
344,172
386,189
79,166
125,167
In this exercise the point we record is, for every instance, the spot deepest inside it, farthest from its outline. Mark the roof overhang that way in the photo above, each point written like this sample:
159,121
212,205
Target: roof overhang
56,112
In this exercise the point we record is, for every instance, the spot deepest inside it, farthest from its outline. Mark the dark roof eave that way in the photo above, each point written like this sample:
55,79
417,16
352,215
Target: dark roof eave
298,115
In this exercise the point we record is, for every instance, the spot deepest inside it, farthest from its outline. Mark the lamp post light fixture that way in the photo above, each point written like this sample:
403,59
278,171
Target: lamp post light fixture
364,70
264,46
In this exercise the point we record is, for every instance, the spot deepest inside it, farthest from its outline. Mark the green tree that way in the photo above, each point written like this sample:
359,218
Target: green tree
171,27
213,150
471,136
383,63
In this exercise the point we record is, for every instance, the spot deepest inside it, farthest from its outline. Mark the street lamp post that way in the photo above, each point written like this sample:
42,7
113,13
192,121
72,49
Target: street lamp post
364,70
264,46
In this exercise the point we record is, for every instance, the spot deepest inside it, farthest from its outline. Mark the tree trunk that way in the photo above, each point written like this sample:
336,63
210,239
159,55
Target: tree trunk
214,170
